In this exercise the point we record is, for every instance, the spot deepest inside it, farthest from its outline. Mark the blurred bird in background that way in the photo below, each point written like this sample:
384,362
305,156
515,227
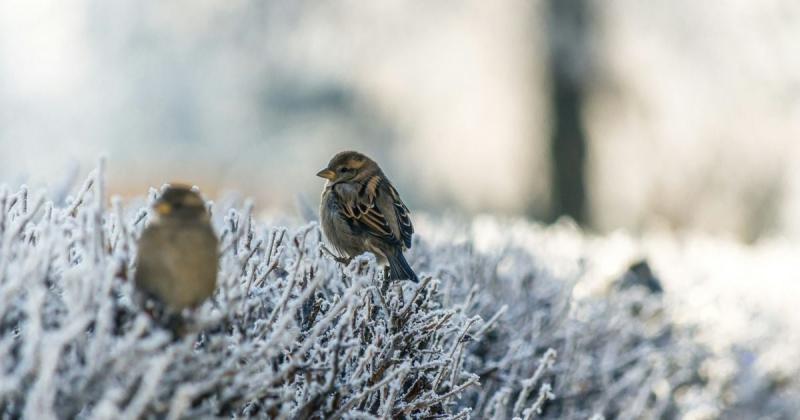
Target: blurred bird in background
178,257
360,211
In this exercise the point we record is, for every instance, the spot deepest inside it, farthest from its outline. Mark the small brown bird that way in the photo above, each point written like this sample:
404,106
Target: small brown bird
361,211
178,256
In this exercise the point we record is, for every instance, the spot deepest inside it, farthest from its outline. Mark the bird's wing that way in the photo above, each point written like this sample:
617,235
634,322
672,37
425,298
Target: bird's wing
365,210
150,264
403,217
177,266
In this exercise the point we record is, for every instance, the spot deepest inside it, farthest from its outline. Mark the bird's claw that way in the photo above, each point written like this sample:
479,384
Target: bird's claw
340,260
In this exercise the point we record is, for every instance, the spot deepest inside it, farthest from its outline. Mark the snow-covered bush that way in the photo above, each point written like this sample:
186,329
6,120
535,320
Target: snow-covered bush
618,356
291,333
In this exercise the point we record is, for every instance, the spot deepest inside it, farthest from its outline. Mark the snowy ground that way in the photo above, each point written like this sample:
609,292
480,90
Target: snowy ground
512,319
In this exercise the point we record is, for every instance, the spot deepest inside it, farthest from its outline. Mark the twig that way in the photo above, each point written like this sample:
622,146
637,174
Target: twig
545,363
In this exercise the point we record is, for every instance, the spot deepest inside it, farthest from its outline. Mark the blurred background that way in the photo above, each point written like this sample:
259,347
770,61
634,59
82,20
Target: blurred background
678,113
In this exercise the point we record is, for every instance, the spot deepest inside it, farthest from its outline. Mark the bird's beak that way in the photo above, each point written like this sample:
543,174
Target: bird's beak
327,174
163,208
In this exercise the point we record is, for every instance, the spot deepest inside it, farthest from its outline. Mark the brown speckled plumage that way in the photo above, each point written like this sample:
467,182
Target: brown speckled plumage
361,211
177,258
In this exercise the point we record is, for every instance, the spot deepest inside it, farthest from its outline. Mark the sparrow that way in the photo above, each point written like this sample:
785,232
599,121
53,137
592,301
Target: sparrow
178,257
360,211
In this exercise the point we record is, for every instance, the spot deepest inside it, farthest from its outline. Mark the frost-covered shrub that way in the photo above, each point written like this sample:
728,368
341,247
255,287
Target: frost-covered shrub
618,356
292,334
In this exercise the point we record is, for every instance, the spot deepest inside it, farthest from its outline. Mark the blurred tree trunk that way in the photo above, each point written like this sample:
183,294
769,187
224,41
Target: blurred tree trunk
567,30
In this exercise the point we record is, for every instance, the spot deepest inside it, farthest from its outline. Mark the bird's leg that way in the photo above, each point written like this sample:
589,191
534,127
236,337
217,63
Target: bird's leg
399,291
176,324
386,282
340,260
343,261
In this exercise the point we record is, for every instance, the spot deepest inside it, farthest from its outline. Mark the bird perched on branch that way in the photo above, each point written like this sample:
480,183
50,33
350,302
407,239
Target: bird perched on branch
361,211
178,256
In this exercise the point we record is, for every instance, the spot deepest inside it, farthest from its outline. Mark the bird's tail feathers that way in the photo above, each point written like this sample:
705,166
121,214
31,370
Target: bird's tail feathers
399,268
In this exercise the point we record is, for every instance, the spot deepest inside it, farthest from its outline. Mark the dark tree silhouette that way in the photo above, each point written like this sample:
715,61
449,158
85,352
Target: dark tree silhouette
567,29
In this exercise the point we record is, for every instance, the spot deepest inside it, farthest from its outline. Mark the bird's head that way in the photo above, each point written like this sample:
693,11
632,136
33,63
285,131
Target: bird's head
347,166
180,202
